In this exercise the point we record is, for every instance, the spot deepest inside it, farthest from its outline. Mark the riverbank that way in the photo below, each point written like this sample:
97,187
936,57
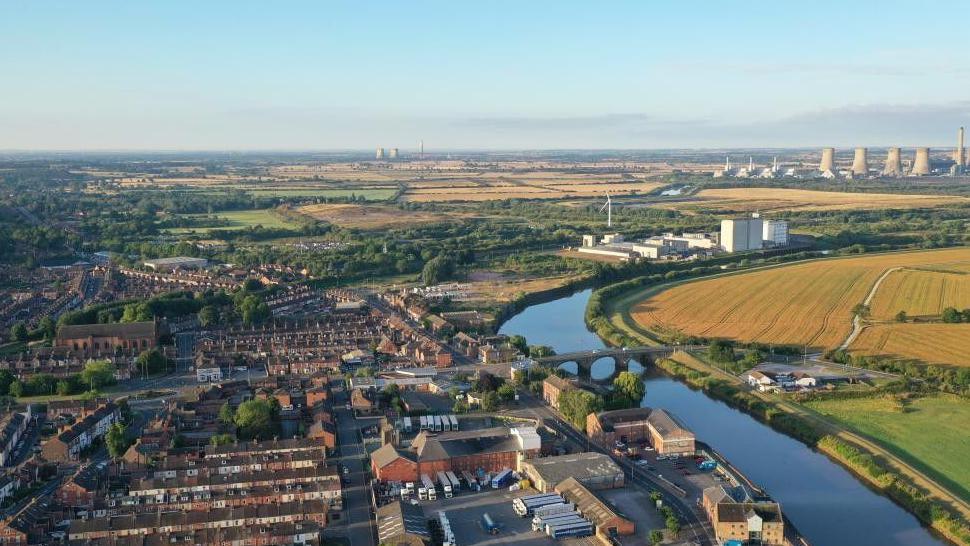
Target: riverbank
927,500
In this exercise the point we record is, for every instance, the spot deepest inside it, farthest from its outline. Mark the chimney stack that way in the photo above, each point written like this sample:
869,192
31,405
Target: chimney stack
894,163
921,164
860,164
960,155
828,160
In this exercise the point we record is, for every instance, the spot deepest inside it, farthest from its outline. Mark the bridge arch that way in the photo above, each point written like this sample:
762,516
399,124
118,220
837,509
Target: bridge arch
604,368
570,366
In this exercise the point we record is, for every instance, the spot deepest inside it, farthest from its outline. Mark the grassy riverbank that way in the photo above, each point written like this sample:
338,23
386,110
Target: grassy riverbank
936,506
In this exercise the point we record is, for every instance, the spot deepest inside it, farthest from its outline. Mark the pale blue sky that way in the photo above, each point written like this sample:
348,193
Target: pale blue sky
348,75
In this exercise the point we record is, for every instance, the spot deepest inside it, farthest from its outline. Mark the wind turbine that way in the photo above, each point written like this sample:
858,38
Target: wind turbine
609,210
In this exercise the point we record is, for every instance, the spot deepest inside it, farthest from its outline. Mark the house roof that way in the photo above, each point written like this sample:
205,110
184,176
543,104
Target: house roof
559,383
397,518
387,454
582,466
123,330
592,508
741,512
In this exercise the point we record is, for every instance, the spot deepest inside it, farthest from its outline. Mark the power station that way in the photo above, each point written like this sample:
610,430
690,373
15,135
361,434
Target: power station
894,163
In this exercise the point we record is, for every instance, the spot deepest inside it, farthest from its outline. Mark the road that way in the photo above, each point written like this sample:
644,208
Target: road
696,527
357,503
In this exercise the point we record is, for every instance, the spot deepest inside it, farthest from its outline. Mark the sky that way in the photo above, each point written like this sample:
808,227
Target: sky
289,75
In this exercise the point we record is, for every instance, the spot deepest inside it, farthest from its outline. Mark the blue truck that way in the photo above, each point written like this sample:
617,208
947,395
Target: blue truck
503,479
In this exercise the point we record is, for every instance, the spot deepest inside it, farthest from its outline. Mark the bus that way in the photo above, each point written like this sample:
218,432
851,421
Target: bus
524,506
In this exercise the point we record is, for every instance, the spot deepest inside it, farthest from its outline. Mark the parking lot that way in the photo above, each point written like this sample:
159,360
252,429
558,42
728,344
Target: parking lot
465,514
683,472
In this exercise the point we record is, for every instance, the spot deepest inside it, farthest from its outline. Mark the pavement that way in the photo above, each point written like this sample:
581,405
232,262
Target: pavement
358,515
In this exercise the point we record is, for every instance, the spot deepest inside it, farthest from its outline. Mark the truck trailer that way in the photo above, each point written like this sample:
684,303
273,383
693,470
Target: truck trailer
445,484
502,479
524,506
429,487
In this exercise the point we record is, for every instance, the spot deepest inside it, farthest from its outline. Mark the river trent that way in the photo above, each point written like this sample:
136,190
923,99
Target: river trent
827,504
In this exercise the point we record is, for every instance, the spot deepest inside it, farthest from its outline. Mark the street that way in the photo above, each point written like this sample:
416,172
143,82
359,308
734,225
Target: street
357,499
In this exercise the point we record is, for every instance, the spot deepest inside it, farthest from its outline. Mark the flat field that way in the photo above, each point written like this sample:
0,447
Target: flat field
808,303
725,200
370,194
240,219
929,342
528,187
930,431
372,216
922,292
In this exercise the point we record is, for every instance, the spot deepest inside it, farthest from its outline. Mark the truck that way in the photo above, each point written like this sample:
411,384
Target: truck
447,535
445,484
502,479
470,480
429,487
437,423
541,524
445,423
455,484
489,524
424,422
582,529
524,506
550,510
454,422
407,424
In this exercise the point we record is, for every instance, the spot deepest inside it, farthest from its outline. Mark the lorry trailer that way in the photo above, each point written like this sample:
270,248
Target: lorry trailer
502,479
524,506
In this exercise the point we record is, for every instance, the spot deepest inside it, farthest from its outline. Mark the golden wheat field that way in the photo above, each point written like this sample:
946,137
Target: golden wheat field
374,216
783,199
808,303
921,293
930,342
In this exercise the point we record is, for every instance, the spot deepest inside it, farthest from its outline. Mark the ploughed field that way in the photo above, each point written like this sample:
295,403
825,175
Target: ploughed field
801,304
922,293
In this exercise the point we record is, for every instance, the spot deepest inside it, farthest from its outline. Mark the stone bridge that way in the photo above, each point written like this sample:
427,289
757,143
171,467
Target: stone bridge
621,358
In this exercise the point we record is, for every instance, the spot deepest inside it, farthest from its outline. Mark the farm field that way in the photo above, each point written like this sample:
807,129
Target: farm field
373,216
240,219
921,293
809,303
930,431
929,342
526,188
726,200
370,194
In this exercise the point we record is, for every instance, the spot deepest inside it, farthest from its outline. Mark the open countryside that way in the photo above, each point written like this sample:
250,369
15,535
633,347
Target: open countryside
922,292
931,342
786,199
373,216
930,430
805,304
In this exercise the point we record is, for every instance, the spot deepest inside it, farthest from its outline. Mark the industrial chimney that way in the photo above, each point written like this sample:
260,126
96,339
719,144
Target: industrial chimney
960,154
828,160
860,164
921,164
894,163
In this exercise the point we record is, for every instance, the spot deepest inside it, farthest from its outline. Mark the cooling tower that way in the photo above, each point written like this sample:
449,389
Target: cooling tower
894,164
828,160
921,164
860,164
959,155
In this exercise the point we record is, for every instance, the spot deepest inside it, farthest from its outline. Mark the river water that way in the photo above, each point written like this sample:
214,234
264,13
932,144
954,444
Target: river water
827,504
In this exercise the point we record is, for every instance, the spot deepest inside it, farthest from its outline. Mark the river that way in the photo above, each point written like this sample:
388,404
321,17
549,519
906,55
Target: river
827,504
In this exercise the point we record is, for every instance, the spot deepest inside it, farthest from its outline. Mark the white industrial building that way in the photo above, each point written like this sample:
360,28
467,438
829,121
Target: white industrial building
740,234
178,262
775,233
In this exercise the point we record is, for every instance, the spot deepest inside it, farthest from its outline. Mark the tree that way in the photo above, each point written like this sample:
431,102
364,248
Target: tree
6,379
253,310
97,374
208,316
656,536
257,419
151,361
137,312
490,401
19,332
487,382
519,343
952,316
63,387
117,440
673,524
221,439
436,270
461,406
506,392
577,404
48,328
901,316
539,351
16,389
721,350
226,414
630,385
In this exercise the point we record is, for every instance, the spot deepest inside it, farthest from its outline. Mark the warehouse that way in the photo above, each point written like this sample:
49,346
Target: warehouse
178,262
606,520
638,425
593,470
400,524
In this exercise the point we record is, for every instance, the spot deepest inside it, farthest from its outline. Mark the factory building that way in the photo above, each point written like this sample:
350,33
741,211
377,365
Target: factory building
775,233
593,470
740,234
637,425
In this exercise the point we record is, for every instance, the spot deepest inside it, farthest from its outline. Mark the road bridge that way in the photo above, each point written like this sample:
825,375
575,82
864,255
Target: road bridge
621,356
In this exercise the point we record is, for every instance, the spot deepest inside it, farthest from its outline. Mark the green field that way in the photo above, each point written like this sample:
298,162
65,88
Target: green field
370,194
928,432
241,219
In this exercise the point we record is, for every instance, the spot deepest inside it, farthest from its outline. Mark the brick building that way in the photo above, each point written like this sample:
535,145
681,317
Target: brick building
638,425
107,338
735,516
552,387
